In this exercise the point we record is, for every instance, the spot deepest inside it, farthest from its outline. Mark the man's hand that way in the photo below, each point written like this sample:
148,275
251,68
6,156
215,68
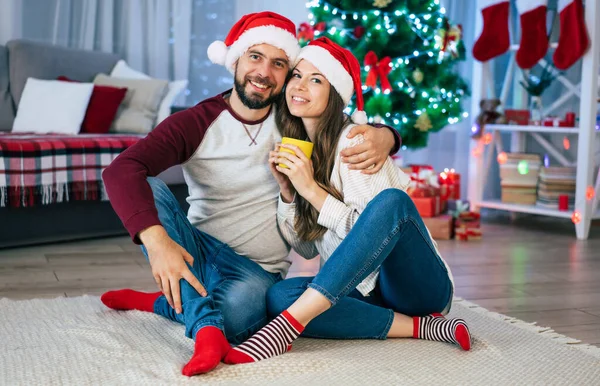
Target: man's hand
372,152
167,259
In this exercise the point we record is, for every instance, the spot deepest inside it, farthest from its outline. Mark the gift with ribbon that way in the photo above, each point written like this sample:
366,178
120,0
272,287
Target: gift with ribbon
423,182
449,182
467,226
425,190
378,69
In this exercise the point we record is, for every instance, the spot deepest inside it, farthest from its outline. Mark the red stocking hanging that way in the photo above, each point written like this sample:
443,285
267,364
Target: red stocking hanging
494,39
534,36
573,40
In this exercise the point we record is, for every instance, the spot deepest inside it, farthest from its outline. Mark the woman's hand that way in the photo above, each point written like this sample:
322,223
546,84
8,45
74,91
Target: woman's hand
285,186
299,170
370,155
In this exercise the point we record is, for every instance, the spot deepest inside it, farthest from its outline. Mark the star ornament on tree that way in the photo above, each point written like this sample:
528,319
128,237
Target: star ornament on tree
381,3
423,122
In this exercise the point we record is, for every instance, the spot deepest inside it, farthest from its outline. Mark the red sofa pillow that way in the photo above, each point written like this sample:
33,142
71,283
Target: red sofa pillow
102,108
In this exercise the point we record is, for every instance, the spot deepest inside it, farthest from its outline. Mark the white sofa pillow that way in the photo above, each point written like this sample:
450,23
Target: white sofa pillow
52,106
122,70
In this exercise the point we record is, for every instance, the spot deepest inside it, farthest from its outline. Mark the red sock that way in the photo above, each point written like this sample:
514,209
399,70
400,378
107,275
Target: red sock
128,299
210,348
573,41
440,329
534,39
494,39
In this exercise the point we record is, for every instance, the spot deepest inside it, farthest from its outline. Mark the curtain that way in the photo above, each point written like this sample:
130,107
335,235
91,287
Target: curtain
153,36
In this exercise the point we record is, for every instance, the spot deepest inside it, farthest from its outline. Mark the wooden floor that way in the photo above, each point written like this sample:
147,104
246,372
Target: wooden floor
532,269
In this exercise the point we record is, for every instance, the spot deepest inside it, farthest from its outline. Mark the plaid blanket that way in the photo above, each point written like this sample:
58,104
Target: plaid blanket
49,168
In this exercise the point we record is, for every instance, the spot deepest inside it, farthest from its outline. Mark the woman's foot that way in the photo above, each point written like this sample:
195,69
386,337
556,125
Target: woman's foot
273,339
436,327
128,299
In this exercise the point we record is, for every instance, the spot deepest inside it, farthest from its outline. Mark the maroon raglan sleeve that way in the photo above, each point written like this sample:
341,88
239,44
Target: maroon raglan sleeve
171,143
397,137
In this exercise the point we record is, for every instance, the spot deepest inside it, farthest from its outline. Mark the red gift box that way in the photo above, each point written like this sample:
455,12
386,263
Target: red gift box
449,182
428,206
517,117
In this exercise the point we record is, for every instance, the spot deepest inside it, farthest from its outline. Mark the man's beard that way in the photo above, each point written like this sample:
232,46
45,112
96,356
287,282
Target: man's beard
251,101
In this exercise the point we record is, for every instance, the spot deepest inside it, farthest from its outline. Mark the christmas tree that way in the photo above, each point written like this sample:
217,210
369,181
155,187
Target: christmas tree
408,49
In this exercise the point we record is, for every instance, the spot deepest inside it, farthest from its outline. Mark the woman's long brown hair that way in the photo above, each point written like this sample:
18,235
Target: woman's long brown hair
329,128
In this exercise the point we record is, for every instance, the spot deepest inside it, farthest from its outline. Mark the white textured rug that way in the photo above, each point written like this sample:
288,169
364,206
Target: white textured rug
77,341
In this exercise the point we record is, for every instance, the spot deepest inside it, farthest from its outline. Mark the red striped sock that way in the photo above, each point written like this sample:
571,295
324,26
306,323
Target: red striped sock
273,339
440,329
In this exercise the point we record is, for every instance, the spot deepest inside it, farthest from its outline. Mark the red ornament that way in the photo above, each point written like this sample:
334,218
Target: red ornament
379,69
359,31
566,143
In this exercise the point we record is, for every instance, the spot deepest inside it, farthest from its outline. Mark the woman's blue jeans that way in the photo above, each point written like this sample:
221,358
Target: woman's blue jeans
236,286
413,280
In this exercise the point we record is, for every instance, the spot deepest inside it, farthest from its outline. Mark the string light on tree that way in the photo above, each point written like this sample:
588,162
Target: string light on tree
409,77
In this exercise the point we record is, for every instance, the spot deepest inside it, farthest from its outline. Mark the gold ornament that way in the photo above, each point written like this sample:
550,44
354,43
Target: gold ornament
418,76
423,123
381,3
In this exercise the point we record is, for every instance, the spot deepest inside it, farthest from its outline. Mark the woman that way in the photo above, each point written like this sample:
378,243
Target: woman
383,276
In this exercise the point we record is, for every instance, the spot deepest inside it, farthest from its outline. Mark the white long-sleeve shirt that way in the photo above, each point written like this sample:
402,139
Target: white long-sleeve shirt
338,217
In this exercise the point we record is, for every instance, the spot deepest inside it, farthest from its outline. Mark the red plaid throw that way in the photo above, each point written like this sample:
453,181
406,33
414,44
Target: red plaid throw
50,168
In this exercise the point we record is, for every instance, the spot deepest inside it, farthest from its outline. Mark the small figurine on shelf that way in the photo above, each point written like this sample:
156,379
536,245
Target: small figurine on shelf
488,114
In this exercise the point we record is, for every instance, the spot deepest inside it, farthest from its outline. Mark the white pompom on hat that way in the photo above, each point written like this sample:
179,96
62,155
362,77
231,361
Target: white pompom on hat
252,29
342,70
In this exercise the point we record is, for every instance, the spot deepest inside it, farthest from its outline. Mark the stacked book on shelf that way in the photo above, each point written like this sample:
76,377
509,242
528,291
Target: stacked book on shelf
554,182
519,178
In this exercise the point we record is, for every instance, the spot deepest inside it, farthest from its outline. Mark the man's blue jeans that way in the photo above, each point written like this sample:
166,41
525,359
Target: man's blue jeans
236,286
413,280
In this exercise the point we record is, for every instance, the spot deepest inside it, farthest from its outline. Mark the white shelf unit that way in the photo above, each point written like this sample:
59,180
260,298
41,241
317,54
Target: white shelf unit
481,156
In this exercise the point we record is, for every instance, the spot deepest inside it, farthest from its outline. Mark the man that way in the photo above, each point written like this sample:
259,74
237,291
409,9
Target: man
214,265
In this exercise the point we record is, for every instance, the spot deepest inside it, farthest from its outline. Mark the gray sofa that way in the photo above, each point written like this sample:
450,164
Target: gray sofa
19,60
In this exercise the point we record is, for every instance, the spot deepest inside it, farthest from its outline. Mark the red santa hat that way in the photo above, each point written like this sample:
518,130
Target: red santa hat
342,70
252,29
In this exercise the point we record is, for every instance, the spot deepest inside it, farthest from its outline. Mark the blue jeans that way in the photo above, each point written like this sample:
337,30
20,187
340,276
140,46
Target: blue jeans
413,280
236,285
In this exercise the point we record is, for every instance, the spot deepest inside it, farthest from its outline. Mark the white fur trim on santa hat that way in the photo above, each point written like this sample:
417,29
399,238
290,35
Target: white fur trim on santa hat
331,68
217,52
359,117
267,34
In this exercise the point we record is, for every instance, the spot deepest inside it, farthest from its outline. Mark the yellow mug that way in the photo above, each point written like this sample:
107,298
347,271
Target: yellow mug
305,146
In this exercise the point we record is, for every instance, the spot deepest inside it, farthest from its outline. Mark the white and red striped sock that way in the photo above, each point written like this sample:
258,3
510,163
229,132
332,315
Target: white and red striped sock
273,339
435,327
